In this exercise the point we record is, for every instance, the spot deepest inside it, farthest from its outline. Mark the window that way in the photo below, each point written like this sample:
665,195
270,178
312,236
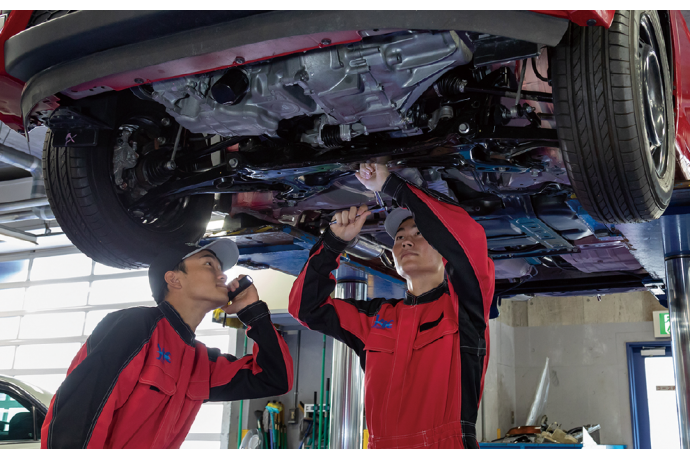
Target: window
60,267
93,318
123,290
51,296
53,356
52,325
12,299
100,269
9,328
16,420
6,357
14,271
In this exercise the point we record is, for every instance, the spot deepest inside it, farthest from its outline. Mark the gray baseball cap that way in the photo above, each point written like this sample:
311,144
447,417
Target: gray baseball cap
394,219
225,250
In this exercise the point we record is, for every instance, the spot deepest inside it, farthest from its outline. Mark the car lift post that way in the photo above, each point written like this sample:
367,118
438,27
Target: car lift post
676,238
347,395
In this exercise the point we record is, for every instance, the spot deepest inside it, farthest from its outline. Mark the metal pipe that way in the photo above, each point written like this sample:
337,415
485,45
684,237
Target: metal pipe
347,389
319,435
676,238
27,162
23,204
364,248
17,217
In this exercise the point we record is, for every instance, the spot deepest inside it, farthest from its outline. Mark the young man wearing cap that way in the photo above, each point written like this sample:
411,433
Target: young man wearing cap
141,377
425,355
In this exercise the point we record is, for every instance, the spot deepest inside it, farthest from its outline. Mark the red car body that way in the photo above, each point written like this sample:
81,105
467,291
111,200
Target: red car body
11,87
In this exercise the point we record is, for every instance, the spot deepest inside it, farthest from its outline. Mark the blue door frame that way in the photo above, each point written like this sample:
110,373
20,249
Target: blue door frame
639,411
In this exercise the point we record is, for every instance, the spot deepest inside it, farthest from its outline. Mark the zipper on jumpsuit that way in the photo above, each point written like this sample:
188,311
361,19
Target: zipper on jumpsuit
410,317
408,325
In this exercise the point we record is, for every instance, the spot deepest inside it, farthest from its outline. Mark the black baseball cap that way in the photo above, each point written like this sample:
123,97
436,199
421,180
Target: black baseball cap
224,249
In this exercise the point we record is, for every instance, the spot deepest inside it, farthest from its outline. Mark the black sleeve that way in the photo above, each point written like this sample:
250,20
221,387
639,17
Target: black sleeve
348,320
462,243
99,374
268,371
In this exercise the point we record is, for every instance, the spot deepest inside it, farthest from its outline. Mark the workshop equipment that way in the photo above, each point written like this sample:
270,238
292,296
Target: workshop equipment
323,370
293,411
273,410
347,393
676,239
239,418
259,415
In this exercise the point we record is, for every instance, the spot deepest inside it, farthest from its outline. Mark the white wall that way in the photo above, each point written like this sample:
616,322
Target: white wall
588,370
585,341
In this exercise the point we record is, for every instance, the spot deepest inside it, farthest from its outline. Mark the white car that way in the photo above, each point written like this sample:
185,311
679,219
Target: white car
23,408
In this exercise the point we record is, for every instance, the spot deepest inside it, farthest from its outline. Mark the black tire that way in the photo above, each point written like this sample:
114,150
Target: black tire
82,195
599,100
41,16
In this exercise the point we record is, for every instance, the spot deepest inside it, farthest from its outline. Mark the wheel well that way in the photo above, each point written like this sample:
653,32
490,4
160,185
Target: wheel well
665,20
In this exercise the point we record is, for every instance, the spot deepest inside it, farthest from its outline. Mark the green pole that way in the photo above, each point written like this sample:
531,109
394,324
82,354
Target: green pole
323,370
239,424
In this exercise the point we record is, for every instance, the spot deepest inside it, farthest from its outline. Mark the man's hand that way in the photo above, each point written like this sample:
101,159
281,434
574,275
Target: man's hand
349,225
372,175
247,297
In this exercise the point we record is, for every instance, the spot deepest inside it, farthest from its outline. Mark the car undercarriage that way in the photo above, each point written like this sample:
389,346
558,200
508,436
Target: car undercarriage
470,115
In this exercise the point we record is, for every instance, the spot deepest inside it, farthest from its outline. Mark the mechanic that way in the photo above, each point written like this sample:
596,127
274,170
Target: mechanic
426,355
141,377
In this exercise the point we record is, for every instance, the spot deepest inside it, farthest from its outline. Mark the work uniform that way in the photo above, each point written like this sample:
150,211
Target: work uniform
141,377
424,356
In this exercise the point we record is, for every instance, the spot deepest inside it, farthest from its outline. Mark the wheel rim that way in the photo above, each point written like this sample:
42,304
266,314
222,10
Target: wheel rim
653,94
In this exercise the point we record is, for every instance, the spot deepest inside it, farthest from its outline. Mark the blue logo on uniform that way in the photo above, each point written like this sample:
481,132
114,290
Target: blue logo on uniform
162,354
382,323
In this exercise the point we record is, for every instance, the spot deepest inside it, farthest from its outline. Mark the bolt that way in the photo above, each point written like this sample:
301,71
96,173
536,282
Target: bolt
239,60
591,22
138,81
233,162
303,75
464,128
161,140
165,122
529,109
326,41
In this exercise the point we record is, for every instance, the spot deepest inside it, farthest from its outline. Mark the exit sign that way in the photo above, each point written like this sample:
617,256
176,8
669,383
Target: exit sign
662,324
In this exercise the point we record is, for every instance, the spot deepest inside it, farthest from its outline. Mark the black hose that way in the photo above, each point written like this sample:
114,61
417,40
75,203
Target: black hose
536,72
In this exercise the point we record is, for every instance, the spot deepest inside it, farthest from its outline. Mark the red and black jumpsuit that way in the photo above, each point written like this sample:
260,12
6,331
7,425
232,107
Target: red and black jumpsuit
141,377
424,357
